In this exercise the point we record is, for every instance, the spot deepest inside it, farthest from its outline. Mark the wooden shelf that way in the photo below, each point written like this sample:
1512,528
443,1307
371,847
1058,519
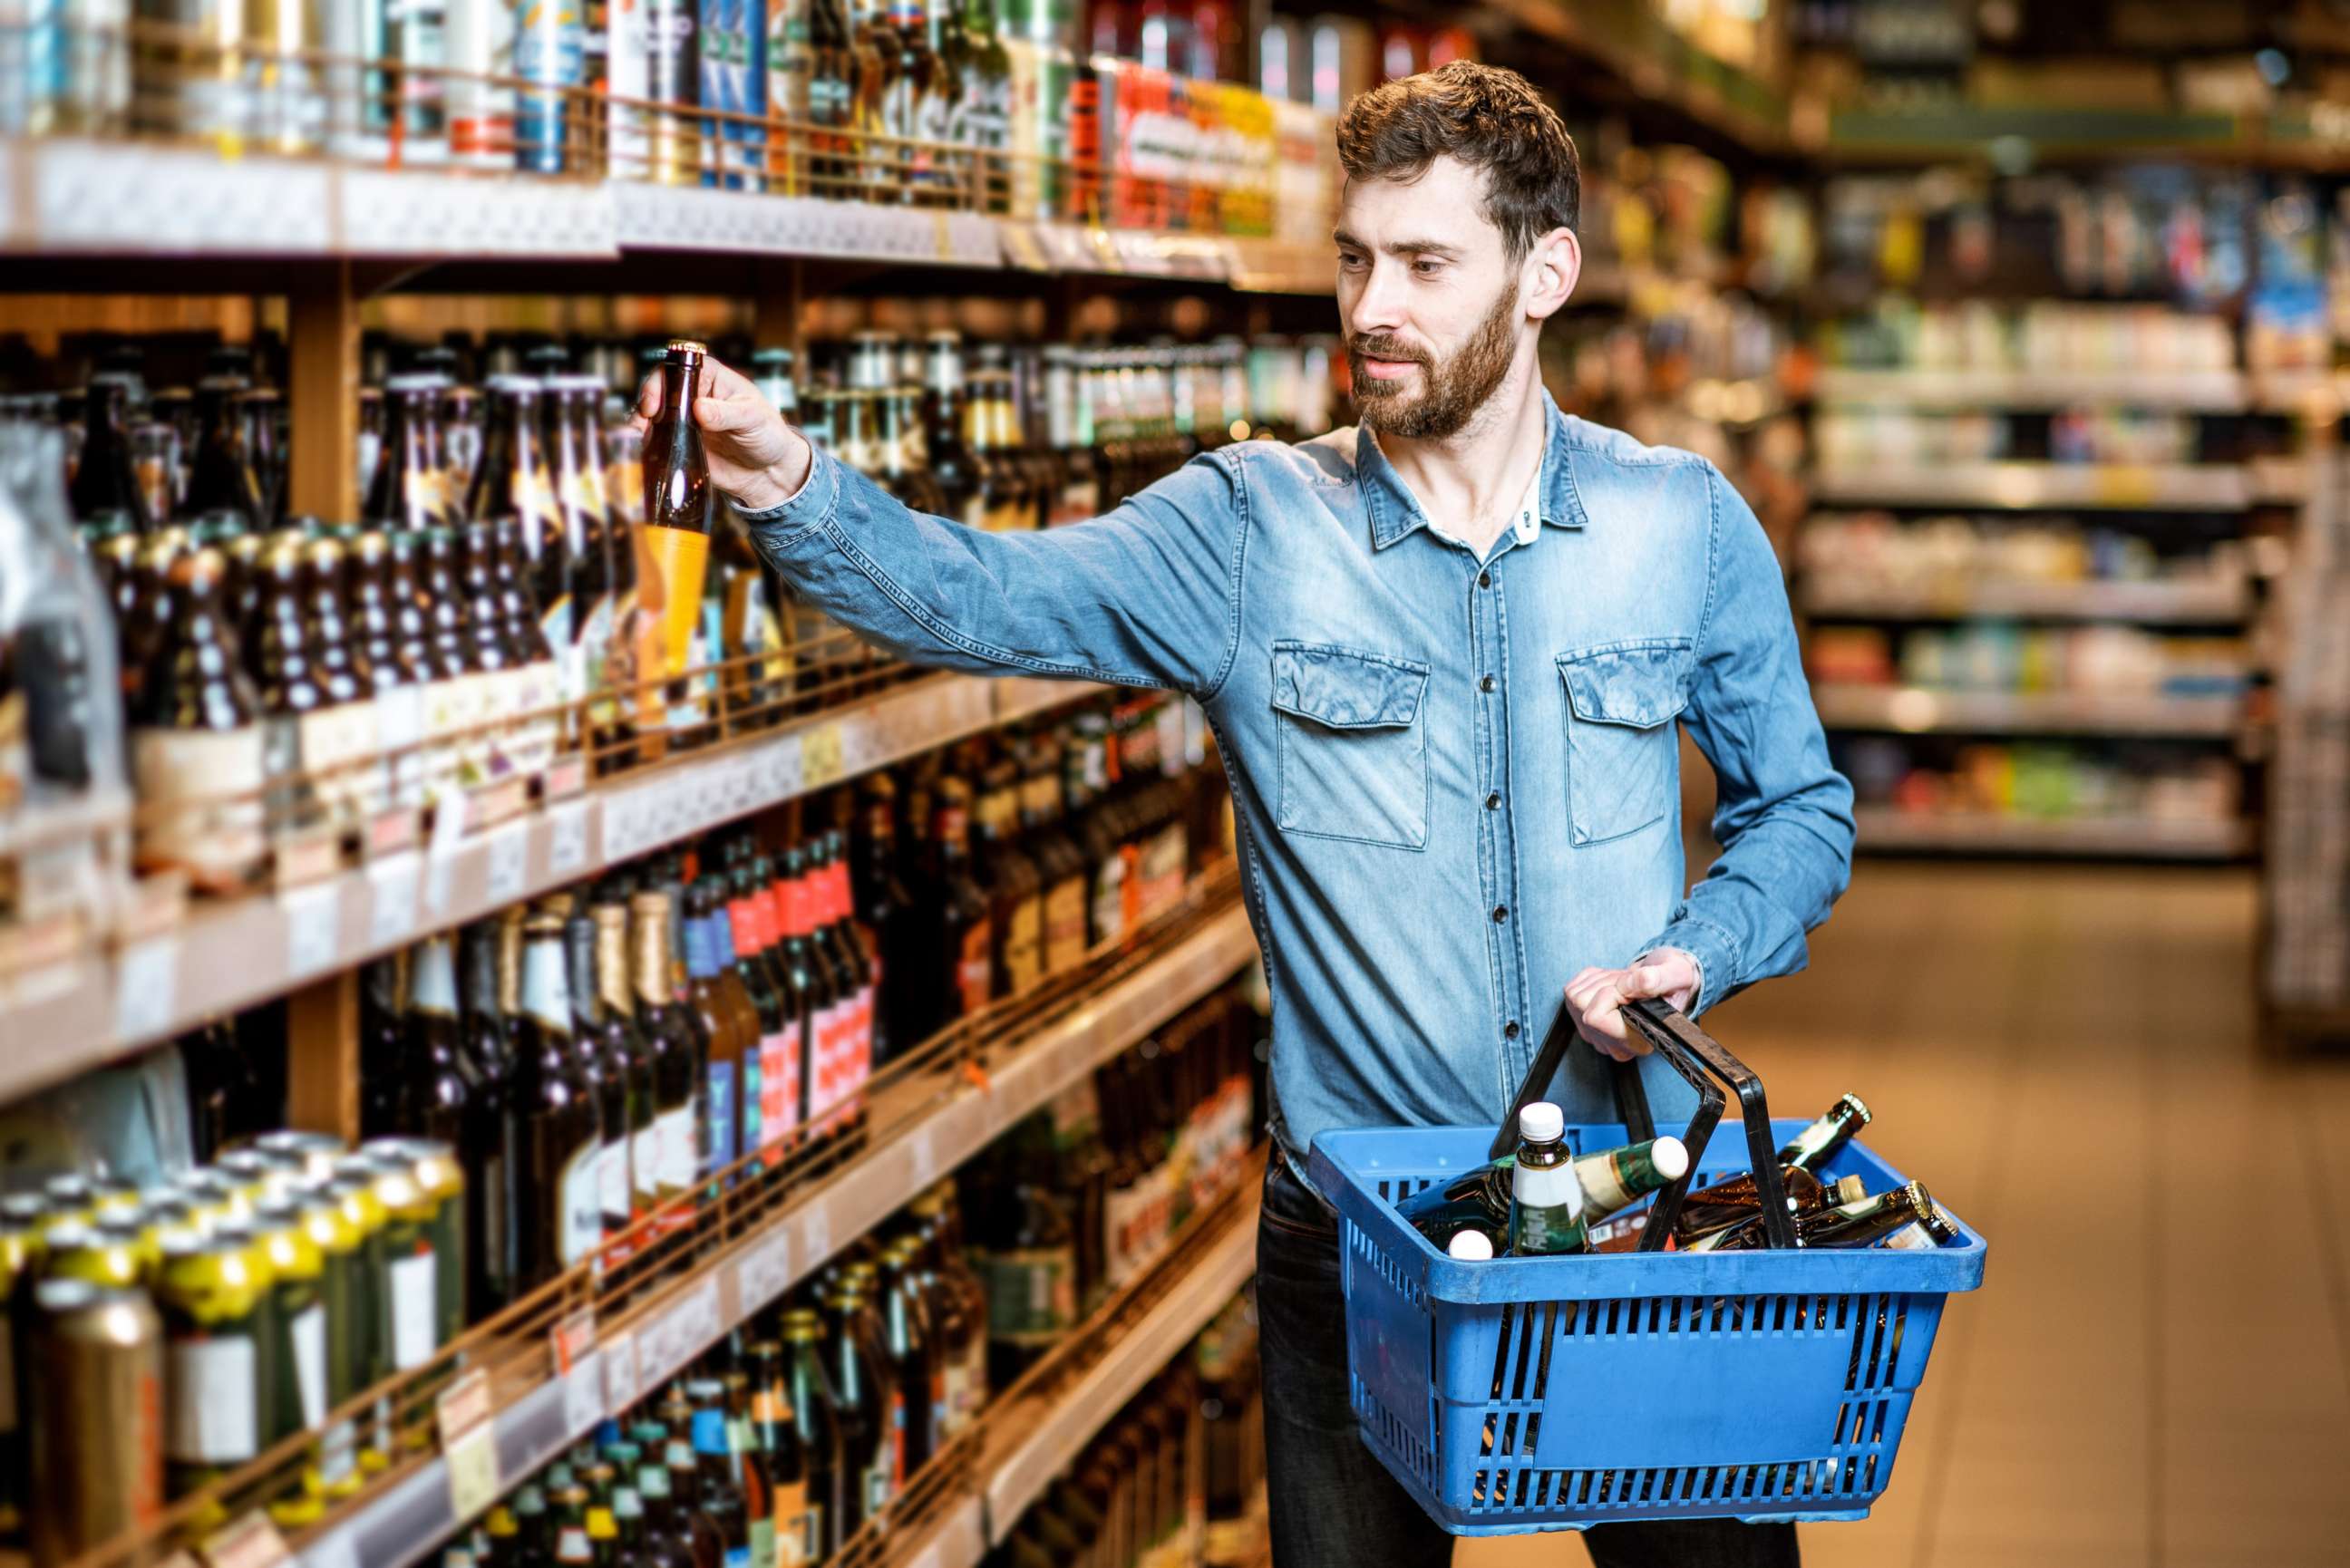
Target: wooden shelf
1920,710
70,1017
2214,602
2041,486
75,197
1882,829
2195,391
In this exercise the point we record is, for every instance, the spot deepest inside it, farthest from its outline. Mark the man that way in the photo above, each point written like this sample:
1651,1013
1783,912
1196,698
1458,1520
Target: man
1444,654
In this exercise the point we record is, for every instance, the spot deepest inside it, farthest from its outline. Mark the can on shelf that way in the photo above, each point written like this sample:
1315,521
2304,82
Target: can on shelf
220,1343
440,1179
365,1263
93,1403
78,1250
315,1152
297,1289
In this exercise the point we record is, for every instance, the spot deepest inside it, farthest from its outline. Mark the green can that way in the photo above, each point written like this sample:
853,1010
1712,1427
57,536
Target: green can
315,1151
349,1223
297,1268
80,1250
407,1287
220,1353
440,1179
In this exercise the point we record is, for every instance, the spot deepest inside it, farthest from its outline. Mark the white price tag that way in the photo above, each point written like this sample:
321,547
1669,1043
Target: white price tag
815,1233
678,1334
582,1393
920,1158
567,843
620,1358
509,863
146,980
780,769
765,1271
391,900
336,1548
314,929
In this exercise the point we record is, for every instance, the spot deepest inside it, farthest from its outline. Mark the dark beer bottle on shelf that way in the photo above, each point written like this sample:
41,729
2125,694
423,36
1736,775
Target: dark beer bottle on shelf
410,487
674,1036
607,1088
720,1500
729,1025
964,953
808,997
634,1191
885,912
261,415
855,969
1060,867
916,1358
612,642
860,1380
560,1214
1016,891
220,474
677,498
782,1454
197,749
489,1179
542,699
744,888
950,462
106,480
815,1413
394,682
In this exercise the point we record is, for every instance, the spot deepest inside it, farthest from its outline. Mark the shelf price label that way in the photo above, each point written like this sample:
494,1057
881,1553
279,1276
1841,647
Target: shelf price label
252,1542
314,929
509,864
619,1359
146,980
468,1444
816,1231
765,1269
567,843
678,1336
577,1363
820,757
391,900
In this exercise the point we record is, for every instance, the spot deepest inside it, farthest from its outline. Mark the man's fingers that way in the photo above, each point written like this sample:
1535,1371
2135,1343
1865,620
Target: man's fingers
729,413
648,397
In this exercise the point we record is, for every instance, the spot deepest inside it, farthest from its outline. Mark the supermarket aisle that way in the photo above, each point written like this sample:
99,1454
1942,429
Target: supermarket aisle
2157,1371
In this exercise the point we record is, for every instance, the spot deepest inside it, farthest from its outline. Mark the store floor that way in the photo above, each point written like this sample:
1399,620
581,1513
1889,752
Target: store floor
2157,1370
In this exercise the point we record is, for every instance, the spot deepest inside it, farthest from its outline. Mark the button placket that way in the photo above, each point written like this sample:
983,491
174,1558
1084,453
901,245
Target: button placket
1491,718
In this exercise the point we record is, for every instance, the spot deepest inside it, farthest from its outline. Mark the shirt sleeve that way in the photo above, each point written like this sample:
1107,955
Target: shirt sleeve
1145,596
1783,816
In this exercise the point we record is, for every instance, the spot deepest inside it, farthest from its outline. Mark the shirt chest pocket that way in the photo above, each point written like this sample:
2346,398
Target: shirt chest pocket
1351,745
1622,759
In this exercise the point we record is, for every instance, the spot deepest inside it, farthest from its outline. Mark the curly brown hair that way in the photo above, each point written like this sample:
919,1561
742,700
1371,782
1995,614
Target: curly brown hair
1488,118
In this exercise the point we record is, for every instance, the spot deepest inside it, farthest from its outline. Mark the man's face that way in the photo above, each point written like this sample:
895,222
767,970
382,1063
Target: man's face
1429,300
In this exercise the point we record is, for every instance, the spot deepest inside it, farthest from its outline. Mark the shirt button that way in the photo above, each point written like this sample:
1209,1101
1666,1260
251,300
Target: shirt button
1500,913
1484,580
1492,802
1510,1029
1486,684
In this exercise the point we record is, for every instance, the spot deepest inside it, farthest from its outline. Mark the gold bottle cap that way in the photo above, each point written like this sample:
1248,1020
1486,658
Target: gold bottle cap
688,345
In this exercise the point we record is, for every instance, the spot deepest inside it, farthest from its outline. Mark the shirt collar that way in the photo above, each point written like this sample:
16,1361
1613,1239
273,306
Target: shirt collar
1395,511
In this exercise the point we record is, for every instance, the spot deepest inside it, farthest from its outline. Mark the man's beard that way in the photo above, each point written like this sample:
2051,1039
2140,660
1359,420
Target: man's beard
1451,392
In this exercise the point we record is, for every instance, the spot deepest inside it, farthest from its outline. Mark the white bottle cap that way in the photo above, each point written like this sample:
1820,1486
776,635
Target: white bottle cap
1469,1244
1671,1157
1542,1122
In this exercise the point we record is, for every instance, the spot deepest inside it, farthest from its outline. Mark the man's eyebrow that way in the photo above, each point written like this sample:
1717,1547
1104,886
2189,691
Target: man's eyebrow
1402,247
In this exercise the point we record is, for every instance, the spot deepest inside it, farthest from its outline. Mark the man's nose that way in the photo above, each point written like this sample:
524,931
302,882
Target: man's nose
1379,307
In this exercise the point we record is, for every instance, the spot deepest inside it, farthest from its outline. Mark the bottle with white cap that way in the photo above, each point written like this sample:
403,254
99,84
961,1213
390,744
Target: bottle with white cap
1470,1246
1546,1199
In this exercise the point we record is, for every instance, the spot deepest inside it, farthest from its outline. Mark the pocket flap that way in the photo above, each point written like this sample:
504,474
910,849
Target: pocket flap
1343,690
1641,684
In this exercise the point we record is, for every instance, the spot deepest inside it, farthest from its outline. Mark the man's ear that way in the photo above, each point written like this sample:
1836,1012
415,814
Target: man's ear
1553,268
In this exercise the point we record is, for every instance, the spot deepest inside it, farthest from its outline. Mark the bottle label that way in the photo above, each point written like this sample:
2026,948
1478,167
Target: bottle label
537,695
1545,1210
1163,855
761,1553
718,1127
1023,945
1109,899
1031,1294
824,1061
779,1083
201,789
974,974
754,1102
580,1193
673,1134
334,741
571,1545
214,1418
398,730
449,709
679,559
790,1527
415,1310
955,1398
308,1333
645,1166
595,666
860,1045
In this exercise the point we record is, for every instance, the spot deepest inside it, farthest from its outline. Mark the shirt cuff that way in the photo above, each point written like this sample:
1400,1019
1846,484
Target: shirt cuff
1708,947
809,506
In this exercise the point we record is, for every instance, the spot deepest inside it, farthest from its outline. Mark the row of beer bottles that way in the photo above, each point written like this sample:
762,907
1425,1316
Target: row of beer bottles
1137,1495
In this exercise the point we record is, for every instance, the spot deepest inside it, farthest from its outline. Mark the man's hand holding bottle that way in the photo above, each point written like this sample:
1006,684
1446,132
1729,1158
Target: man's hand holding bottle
754,457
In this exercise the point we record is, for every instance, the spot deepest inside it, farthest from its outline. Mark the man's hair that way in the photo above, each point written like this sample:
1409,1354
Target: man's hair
1488,118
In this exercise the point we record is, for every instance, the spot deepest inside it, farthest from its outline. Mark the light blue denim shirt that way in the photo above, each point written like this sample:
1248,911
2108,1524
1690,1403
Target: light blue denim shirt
1456,784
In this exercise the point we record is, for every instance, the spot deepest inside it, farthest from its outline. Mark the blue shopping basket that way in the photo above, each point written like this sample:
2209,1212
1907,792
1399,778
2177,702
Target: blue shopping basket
1558,1393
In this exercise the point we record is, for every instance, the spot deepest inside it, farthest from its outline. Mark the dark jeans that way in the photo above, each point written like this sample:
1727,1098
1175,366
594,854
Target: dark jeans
1333,1505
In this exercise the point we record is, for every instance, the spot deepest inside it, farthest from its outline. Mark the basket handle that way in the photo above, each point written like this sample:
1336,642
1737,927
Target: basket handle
1694,1055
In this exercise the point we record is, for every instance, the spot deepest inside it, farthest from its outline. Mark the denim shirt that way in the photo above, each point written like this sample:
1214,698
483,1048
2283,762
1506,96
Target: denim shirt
1456,784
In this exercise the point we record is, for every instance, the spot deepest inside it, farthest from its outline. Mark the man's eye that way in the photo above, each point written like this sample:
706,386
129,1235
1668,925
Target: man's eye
1348,260
1428,268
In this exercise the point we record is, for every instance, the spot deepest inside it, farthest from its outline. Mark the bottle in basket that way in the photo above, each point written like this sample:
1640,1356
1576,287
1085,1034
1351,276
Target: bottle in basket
1616,1179
1469,1245
1545,1199
1862,1223
1819,1143
1933,1231
1737,1200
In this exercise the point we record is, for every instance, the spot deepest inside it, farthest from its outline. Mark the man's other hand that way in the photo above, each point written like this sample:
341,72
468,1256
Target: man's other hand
754,457
1598,997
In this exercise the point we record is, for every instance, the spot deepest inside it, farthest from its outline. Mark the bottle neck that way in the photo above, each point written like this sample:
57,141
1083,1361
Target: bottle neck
612,958
546,995
651,911
433,980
